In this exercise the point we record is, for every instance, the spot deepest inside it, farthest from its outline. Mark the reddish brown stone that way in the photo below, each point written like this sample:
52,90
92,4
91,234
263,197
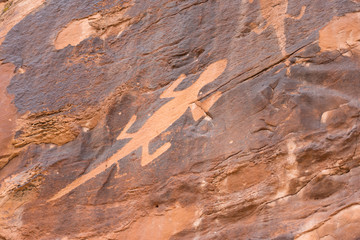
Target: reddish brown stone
8,115
192,119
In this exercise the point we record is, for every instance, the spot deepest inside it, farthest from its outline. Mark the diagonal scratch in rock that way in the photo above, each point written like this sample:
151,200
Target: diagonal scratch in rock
225,159
253,75
327,219
171,15
293,194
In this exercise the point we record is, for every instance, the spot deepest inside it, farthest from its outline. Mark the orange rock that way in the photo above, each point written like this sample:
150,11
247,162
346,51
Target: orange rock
189,119
9,114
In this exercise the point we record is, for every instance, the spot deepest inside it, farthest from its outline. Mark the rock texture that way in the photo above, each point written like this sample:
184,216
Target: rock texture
179,119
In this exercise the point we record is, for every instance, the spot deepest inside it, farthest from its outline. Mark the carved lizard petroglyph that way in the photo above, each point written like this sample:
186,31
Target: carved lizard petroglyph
275,13
161,120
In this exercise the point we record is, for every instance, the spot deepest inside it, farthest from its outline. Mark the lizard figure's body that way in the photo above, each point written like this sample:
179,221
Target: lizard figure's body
161,120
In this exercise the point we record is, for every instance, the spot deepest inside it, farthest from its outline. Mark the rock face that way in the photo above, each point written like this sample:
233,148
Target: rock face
191,119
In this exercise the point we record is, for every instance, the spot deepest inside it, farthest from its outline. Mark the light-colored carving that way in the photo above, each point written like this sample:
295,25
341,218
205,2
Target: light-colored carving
101,25
200,109
74,33
275,13
341,34
161,120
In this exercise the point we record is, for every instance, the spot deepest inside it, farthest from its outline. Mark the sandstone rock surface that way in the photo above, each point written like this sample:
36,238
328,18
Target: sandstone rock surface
179,119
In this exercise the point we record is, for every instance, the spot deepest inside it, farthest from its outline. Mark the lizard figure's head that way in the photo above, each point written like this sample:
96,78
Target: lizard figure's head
211,73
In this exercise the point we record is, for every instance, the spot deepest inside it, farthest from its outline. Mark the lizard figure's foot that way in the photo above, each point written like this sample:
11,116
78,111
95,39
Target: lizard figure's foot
298,17
123,133
147,158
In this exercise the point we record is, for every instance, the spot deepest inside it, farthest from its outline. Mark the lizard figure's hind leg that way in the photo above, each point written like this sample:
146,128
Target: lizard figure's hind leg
258,30
147,158
123,133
